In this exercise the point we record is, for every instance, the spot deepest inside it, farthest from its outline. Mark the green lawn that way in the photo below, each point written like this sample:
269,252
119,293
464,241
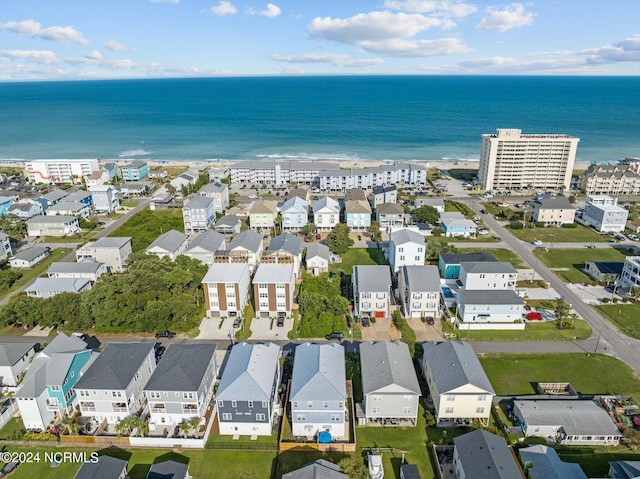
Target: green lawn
451,206
534,331
501,254
567,263
145,226
29,274
13,430
356,256
594,461
625,316
580,234
513,374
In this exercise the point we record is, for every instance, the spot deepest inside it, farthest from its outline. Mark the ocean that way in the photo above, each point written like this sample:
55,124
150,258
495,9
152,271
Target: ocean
340,117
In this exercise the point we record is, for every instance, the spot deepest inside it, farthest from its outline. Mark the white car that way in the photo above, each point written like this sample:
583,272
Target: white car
633,237
537,243
482,232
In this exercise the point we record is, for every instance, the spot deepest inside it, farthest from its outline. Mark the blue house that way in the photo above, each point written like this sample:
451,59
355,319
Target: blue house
5,202
357,214
455,224
135,171
80,196
295,213
449,263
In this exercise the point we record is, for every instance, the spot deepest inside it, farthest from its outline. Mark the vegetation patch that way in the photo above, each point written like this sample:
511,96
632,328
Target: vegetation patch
534,331
145,226
322,307
625,316
568,263
579,234
358,256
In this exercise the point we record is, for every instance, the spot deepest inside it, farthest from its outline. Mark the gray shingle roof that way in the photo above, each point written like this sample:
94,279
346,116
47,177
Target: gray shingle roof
371,278
454,364
10,353
377,190
169,241
55,195
489,297
554,204
83,266
274,273
198,202
215,187
225,273
486,456
182,367
319,469
249,373
286,242
107,467
326,202
405,235
229,220
249,240
59,285
78,196
387,365
208,241
390,209
318,249
491,267
547,464
355,194
30,254
421,278
318,373
43,219
116,366
357,206
295,203
111,242
457,258
168,470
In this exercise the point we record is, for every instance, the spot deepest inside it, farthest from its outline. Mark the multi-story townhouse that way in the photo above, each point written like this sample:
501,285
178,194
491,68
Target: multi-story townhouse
420,293
284,248
198,214
204,246
219,193
371,291
262,214
357,214
105,198
615,180
135,171
326,213
250,244
384,194
552,211
630,276
603,213
273,288
295,213
390,215
488,275
112,251
406,248
226,288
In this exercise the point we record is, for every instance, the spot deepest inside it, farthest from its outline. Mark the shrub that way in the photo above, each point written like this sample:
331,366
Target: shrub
516,225
539,224
615,300
605,300
39,436
569,225
437,231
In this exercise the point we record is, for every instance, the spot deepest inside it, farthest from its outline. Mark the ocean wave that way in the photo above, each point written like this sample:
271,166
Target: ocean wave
138,152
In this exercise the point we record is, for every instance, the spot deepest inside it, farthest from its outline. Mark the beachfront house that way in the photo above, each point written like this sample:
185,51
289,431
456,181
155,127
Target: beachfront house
458,386
247,396
204,246
169,245
112,387
273,289
295,213
318,393
112,251
420,293
326,213
371,291
219,193
47,390
481,454
226,289
406,248
389,383
14,360
181,386
357,213
60,225
135,171
198,214
317,258
27,258
262,214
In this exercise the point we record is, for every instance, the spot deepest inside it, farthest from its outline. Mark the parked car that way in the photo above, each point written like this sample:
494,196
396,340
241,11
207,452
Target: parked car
160,351
533,316
431,320
280,321
366,322
633,237
166,334
527,307
537,243
331,336
483,211
237,322
591,246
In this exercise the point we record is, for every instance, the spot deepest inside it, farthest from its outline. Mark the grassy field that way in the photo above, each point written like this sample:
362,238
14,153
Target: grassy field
512,374
357,256
501,254
567,263
452,206
534,331
145,226
29,274
581,234
625,316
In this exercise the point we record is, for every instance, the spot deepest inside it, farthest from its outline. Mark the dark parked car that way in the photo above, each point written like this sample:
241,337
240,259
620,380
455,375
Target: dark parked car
280,321
483,211
166,334
160,351
237,322
335,336
366,322
430,320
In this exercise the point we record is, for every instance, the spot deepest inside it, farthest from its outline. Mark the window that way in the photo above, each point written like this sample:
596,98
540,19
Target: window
154,395
340,405
310,404
479,410
451,397
335,418
250,403
301,418
220,403
482,397
375,410
226,416
417,258
234,404
448,410
326,404
187,395
264,404
116,394
295,404
260,417
55,388
407,410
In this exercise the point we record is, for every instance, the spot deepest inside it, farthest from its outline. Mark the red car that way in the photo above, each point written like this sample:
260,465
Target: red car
534,316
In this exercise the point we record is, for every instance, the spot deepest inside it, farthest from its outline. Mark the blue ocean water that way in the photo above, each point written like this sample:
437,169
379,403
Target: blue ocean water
364,117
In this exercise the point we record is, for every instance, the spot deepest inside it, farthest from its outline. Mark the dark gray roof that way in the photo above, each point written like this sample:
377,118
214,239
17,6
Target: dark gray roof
457,258
318,249
372,278
169,241
608,267
483,455
355,194
20,206
554,204
168,470
30,254
249,240
229,220
545,464
111,242
387,365
249,373
319,469
209,241
383,189
410,471
106,467
182,367
454,364
44,219
10,353
488,267
286,242
77,196
421,277
115,367
489,297
135,164
55,195
198,202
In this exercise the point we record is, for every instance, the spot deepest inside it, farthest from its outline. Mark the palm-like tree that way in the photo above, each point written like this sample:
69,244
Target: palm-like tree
194,425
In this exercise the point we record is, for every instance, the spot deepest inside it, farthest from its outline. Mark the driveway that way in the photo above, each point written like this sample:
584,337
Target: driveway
424,331
381,330
264,329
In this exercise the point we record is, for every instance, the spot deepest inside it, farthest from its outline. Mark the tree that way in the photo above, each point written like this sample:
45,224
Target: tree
635,292
437,231
338,240
572,199
374,230
562,312
425,214
308,231
434,248
353,468
130,423
194,424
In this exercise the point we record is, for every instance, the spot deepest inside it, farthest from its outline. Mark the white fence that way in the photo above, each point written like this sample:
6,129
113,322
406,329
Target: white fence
8,413
490,326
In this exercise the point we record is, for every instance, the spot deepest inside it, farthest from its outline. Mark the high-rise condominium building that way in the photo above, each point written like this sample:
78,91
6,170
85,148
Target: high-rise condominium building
510,160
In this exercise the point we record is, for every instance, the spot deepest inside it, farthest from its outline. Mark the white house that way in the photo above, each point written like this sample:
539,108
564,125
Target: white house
204,246
390,215
437,203
105,198
14,360
226,289
326,213
111,388
406,248
112,251
70,208
29,257
285,247
371,291
458,385
219,193
181,386
552,211
83,269
198,214
48,287
489,306
250,243
59,225
25,210
630,276
492,275
384,194
603,213
318,393
170,245
420,293
317,258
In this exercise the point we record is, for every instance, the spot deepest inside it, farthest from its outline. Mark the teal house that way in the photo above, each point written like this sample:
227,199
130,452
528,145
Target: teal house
135,171
449,263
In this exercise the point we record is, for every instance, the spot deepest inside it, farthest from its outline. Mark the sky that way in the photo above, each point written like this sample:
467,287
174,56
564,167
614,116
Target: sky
108,39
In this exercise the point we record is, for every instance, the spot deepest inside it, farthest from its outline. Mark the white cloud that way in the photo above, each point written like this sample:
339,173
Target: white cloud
37,56
399,47
290,70
32,28
512,16
223,8
335,59
270,11
115,46
447,8
625,50
94,55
